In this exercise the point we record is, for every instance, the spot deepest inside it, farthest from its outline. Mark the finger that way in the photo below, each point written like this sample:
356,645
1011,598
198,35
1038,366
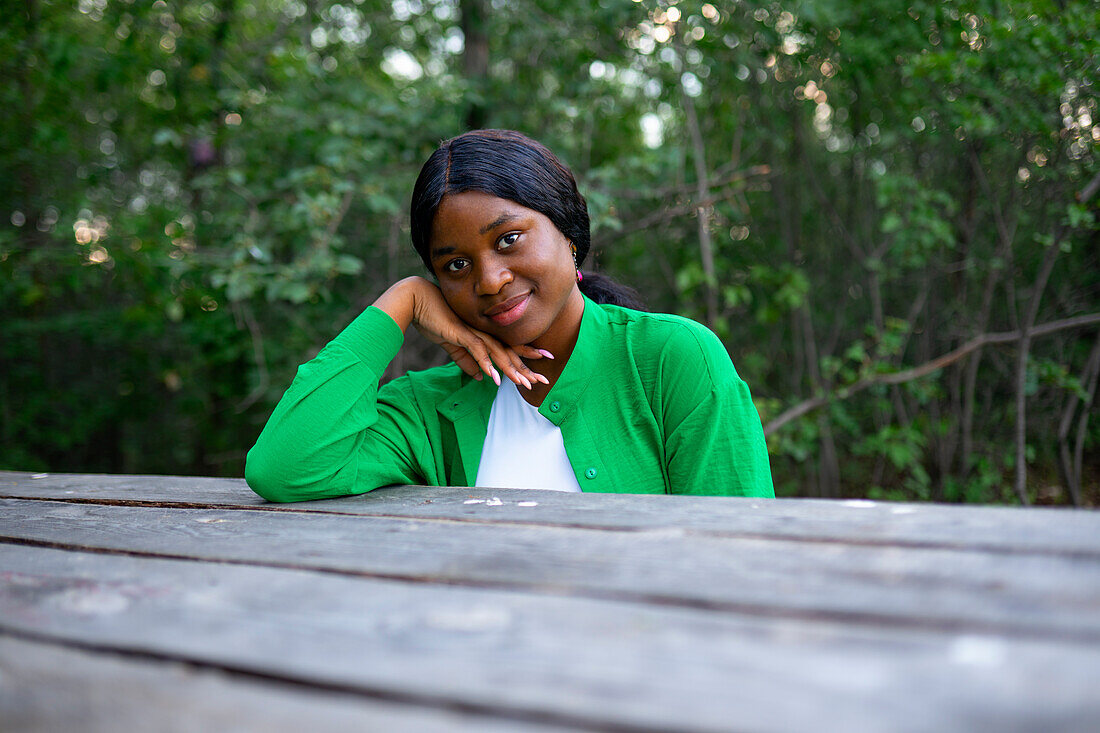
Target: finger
530,352
527,372
516,370
511,366
478,349
509,363
462,357
517,374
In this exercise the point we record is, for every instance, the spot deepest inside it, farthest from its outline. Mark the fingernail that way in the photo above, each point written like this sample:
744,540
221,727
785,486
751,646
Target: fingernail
543,379
478,376
545,353
494,375
526,381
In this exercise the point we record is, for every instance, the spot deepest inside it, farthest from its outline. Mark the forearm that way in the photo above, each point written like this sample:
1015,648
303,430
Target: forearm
399,301
310,446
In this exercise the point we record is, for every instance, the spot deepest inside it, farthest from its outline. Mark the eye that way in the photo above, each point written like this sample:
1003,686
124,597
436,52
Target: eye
507,240
455,265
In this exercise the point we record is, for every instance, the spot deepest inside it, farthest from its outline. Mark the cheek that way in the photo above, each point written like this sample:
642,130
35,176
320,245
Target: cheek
566,270
454,296
555,263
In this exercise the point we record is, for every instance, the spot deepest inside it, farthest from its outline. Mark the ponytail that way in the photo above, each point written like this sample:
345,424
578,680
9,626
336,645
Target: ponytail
605,291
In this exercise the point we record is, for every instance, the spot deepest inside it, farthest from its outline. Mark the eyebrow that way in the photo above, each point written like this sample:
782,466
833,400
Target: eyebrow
503,218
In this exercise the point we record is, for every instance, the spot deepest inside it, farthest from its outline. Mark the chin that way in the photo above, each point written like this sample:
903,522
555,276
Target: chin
515,336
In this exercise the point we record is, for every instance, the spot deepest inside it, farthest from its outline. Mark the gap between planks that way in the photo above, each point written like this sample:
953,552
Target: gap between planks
977,548
434,702
757,610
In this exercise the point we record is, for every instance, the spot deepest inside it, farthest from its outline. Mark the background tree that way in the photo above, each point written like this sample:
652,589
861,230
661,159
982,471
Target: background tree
888,214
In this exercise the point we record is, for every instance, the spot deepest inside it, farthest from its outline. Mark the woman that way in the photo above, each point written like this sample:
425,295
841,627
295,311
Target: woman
554,384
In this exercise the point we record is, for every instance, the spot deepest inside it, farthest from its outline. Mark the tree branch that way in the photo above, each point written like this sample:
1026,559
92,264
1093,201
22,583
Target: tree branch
1087,192
245,314
716,179
927,368
663,215
1021,367
330,230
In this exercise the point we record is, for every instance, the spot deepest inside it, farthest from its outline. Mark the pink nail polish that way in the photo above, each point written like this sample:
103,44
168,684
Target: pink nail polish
546,353
526,382
494,375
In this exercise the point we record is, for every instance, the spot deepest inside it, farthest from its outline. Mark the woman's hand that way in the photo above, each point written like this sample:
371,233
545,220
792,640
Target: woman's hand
418,302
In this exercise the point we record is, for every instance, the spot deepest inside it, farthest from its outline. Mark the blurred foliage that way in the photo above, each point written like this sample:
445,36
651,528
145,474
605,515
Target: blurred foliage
198,195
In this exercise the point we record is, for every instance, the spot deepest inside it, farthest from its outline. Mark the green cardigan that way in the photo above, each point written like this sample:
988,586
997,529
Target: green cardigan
647,404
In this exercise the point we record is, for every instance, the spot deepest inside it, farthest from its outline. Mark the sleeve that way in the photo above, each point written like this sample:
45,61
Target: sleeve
332,433
714,442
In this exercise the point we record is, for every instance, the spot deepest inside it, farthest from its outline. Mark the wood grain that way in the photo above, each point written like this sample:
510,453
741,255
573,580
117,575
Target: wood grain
553,660
55,687
1011,530
1038,596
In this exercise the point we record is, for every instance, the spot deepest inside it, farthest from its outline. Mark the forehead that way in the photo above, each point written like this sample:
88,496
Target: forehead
475,219
474,208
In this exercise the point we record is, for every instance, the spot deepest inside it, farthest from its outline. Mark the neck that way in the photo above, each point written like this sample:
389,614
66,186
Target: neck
559,342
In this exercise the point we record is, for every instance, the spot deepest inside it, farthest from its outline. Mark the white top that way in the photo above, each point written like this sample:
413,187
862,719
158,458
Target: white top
523,450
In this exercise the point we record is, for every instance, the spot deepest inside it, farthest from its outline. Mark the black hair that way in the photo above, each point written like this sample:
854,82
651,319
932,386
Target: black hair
510,165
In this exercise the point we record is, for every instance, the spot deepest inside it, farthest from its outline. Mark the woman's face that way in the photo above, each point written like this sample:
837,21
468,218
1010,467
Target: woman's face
506,270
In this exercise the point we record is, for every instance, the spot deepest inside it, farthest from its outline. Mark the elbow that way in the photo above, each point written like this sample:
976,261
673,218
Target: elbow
264,477
279,476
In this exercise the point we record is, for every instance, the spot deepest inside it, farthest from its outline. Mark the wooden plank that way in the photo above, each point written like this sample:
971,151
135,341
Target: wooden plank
176,489
1034,595
130,488
569,661
54,687
1004,529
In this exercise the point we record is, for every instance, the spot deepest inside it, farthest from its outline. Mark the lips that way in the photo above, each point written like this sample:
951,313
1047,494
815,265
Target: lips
509,311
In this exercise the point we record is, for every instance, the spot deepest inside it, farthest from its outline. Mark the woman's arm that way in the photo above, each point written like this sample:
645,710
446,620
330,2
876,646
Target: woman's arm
332,434
328,436
714,442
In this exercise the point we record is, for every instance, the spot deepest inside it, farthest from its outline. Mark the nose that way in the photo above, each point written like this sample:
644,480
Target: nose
492,276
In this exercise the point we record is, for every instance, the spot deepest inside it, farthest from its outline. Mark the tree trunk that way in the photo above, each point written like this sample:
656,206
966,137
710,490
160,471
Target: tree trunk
1070,467
1021,366
475,58
1006,234
30,201
703,212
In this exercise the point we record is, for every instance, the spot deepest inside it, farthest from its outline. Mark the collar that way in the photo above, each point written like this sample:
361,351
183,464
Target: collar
468,407
582,366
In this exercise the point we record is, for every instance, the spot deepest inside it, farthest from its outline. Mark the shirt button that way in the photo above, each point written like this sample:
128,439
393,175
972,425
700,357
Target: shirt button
555,406
590,473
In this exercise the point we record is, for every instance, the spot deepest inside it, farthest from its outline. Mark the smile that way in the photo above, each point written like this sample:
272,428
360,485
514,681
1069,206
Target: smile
510,310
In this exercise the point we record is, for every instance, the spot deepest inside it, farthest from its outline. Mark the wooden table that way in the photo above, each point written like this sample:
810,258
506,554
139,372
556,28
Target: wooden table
165,603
